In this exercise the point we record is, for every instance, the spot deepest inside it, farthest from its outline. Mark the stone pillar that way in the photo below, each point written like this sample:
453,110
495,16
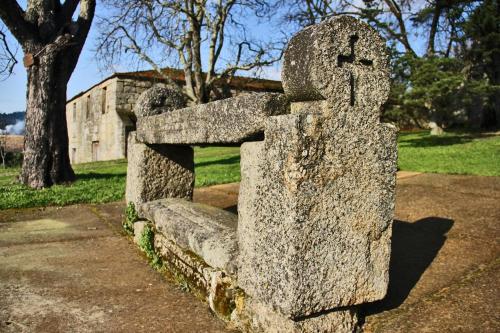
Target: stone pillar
317,195
158,171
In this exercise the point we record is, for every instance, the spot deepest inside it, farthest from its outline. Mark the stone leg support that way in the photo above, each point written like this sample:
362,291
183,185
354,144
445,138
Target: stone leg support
315,211
158,172
258,317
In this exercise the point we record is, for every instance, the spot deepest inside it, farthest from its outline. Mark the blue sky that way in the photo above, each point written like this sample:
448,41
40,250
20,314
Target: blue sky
13,89
87,72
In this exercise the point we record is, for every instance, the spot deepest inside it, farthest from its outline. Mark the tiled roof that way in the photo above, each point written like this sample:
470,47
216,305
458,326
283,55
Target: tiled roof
237,82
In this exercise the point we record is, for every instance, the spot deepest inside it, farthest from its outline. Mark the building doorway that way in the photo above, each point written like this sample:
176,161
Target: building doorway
128,129
95,150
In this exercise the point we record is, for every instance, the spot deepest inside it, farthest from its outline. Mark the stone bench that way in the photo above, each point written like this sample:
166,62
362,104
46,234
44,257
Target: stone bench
228,121
207,231
316,200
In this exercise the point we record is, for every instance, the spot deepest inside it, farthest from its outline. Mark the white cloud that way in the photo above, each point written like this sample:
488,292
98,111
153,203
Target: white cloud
16,129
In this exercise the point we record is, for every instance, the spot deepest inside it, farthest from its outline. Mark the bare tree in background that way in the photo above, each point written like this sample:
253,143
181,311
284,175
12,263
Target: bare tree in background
7,56
52,42
437,21
192,34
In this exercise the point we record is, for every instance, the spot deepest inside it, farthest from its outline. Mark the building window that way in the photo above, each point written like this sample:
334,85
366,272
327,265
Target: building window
73,155
87,111
103,100
74,112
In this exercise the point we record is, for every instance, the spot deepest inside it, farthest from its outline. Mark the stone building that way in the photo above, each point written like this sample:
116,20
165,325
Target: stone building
100,118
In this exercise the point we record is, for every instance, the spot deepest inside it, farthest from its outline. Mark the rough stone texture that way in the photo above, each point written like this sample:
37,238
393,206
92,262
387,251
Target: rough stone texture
208,283
256,317
159,99
156,172
317,195
315,215
319,64
232,120
207,231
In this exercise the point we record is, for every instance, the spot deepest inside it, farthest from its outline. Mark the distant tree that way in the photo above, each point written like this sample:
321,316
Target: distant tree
429,85
51,41
10,118
436,89
436,21
482,55
207,39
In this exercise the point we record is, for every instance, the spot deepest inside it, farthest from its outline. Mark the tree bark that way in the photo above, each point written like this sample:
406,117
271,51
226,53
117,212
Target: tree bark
53,41
46,158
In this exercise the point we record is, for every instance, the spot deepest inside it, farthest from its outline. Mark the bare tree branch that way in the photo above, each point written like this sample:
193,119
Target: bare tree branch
402,36
13,17
162,33
7,57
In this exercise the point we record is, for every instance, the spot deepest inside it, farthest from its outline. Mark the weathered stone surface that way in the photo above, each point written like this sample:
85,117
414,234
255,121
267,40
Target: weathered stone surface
191,271
256,317
342,60
158,99
232,120
156,172
207,231
317,195
315,210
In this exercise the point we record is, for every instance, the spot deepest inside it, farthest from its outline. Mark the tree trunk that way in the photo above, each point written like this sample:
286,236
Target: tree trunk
46,157
497,109
476,113
434,28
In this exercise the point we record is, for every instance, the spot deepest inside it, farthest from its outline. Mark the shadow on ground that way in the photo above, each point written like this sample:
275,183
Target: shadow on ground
232,209
414,247
96,176
436,141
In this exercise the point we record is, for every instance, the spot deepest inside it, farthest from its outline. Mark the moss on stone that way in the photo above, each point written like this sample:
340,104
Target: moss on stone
146,243
130,218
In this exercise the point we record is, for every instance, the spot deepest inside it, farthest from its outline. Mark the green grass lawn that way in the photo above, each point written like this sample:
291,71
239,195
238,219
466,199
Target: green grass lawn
101,182
452,153
216,165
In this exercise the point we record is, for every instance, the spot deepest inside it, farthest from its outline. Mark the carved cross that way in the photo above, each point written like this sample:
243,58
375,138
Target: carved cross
351,59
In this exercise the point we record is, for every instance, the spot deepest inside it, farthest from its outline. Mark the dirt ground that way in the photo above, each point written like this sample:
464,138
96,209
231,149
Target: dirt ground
71,269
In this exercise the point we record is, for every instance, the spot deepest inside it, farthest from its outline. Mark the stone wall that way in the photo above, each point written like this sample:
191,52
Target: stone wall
127,93
100,120
93,125
99,133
